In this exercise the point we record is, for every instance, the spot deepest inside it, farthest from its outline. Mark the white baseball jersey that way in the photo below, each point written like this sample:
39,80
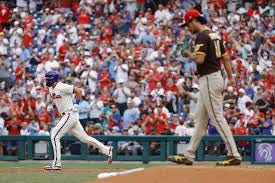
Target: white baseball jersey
61,95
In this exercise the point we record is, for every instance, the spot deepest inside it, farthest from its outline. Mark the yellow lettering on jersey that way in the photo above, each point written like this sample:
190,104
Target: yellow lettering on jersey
214,36
197,47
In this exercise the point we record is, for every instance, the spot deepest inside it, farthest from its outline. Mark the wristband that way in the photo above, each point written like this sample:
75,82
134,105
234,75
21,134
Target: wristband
77,102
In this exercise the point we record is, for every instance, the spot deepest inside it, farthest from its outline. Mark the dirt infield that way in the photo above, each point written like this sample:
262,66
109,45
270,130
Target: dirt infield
82,170
197,174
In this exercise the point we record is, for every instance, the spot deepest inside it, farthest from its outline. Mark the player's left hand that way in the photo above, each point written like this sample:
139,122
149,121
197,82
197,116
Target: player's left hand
187,53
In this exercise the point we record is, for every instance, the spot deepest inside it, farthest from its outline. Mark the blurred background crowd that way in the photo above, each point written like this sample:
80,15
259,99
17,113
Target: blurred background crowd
126,55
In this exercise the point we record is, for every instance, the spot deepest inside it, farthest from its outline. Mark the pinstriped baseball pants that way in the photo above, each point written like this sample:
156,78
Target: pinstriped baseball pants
70,123
210,106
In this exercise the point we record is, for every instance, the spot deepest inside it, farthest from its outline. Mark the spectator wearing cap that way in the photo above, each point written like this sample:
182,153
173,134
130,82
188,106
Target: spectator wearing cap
39,104
84,109
267,124
121,70
249,110
28,36
115,117
171,91
148,37
131,115
62,51
173,123
19,71
43,117
104,78
181,129
5,15
15,34
243,98
148,121
96,107
230,97
24,129
255,122
33,127
121,95
194,95
4,43
44,131
261,101
51,64
241,121
161,121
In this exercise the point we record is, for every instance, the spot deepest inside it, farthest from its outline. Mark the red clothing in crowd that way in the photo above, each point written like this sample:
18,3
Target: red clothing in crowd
62,52
83,18
149,124
19,70
160,125
172,127
27,21
13,126
252,12
46,118
109,34
27,38
99,9
107,82
4,14
66,4
153,83
75,5
172,88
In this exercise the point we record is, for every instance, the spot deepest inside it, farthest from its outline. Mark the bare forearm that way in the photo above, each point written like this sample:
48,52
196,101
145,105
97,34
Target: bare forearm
227,66
78,93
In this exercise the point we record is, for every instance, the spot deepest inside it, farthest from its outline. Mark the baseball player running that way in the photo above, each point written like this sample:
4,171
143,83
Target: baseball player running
207,54
61,95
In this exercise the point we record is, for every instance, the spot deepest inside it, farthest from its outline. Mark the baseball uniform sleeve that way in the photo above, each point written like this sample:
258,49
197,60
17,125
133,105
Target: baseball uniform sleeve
201,44
66,89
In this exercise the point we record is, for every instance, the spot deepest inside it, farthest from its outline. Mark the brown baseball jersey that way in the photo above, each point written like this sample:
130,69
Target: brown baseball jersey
210,45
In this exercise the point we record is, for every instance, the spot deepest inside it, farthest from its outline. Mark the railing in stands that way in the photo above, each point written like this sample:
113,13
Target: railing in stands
167,146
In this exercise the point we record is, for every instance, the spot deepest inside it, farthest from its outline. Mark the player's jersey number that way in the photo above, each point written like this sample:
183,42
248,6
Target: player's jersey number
216,39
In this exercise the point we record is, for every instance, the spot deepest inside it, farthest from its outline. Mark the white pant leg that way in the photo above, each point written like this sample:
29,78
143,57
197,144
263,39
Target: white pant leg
62,127
212,97
200,122
79,132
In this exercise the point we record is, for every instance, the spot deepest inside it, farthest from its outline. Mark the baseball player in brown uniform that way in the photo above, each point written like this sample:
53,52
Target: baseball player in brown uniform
208,51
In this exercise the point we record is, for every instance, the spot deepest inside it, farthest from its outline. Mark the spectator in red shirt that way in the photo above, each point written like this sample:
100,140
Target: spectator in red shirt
148,121
13,126
104,78
4,15
84,18
161,121
28,36
44,117
19,71
63,51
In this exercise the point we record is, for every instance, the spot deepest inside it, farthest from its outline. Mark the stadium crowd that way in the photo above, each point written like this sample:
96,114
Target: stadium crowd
126,55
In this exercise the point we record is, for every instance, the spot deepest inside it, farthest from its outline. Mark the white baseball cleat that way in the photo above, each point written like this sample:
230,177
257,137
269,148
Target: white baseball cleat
52,167
110,155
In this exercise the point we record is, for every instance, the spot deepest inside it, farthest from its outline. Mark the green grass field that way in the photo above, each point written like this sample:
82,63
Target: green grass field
9,174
